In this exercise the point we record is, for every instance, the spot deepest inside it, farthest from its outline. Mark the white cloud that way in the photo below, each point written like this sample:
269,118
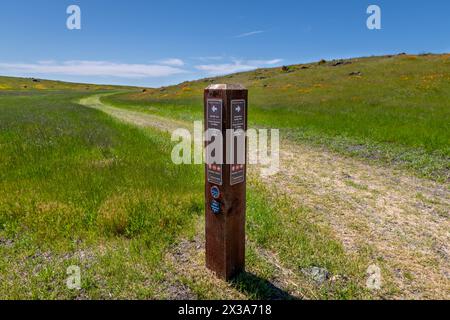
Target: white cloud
265,62
236,66
172,62
209,58
92,68
46,61
248,34
225,68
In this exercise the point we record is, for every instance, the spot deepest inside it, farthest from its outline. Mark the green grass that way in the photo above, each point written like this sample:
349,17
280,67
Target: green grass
396,112
32,85
80,188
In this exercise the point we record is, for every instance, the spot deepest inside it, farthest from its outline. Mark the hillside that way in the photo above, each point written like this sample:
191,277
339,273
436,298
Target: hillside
392,109
86,180
35,84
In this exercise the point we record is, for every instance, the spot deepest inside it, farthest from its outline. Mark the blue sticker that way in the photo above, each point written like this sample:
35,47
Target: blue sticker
215,192
215,207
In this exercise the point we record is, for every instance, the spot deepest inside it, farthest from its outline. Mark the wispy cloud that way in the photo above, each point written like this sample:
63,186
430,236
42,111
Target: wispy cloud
236,66
219,69
209,58
265,62
172,62
91,68
248,34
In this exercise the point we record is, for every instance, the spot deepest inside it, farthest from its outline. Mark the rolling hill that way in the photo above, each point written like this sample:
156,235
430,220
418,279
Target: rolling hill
390,109
35,84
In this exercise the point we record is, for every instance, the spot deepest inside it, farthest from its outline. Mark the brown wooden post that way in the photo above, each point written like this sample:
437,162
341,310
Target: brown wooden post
225,187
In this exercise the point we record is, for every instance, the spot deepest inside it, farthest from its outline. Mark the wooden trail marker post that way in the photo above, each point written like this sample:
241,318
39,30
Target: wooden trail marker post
225,185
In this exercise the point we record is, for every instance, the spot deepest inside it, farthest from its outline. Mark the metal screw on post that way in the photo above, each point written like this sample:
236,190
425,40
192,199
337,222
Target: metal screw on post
225,186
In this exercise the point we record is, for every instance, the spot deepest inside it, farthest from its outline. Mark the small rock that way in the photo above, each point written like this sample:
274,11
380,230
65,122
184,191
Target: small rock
319,275
340,62
355,73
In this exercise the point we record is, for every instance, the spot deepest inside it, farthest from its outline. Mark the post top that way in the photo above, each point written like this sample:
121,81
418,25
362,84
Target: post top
226,87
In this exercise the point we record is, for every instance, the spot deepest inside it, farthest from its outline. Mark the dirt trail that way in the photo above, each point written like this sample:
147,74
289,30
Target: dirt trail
404,221
133,117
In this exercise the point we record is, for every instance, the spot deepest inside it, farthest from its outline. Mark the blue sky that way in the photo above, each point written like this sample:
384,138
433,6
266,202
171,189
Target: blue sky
154,43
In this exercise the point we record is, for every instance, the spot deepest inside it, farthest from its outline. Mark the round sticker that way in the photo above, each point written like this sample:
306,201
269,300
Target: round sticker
215,192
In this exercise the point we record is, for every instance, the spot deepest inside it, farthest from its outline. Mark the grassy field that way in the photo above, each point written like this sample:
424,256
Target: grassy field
35,85
393,109
80,188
